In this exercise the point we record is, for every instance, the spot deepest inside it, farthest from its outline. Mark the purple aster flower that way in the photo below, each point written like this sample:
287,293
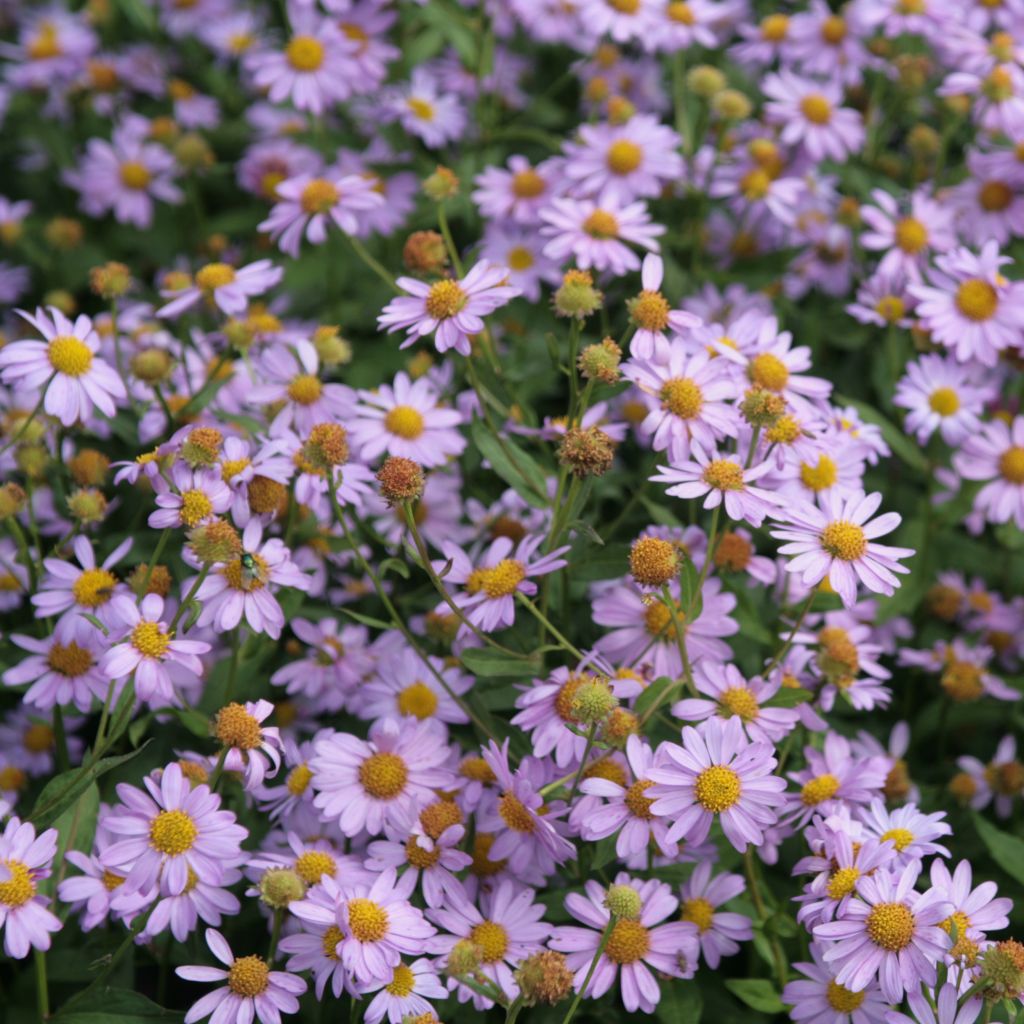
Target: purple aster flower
192,497
717,772
518,192
65,364
907,237
811,116
25,860
976,910
86,587
252,989
942,394
125,176
174,829
426,111
450,309
402,685
651,315
595,233
912,833
224,286
406,994
838,542
945,1009
890,932
520,249
637,21
719,932
633,947
817,998
995,455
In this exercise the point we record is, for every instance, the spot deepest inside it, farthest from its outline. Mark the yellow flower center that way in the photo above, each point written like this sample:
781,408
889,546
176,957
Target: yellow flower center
69,660
740,701
111,881
768,371
150,640
172,832
679,10
638,804
527,184
891,926
403,981
214,275
230,468
658,620
944,401
93,588
305,389
367,920
682,397
649,311
819,789
1011,465
627,943
12,778
842,883
774,28
312,865
235,727
962,682
418,700
305,53
135,175
901,838
977,300
418,857
785,431
491,941
405,421
298,779
69,355
503,579
421,108
911,235
318,196
833,30
519,258
844,540
755,184
445,299
890,308
19,888
624,157
515,814
820,476
837,657
249,976
624,6
38,737
995,196
601,224
816,108
254,578
46,44
383,775
330,941
724,475
998,86
717,788
195,507
841,999
699,912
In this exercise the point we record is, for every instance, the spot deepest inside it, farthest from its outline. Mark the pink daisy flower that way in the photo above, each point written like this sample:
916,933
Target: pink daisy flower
838,542
365,784
595,233
407,994
175,829
86,587
125,176
402,685
252,989
163,666
224,286
450,309
717,772
200,901
192,497
65,364
309,204
969,306
240,589
907,237
724,480
818,998
911,832
627,810
811,116
406,419
316,67
635,948
946,1008
941,394
506,929
976,910
891,932
638,21
651,315
491,582
253,749
719,932
516,193
425,111
623,162
995,455
25,859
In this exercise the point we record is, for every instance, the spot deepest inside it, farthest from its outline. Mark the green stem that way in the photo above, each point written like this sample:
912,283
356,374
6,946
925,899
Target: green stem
42,989
536,613
592,732
449,242
31,416
275,934
605,936
23,551
218,769
513,1010
709,556
61,739
151,565
373,263
762,913
777,660
197,583
236,649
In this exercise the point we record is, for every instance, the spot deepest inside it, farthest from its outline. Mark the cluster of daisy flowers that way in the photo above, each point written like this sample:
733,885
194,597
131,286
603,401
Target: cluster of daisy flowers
622,609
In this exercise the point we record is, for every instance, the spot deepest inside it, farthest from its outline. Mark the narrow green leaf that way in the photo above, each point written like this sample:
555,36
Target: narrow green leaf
903,446
680,1003
518,469
789,697
75,830
758,993
366,620
116,1006
652,695
482,661
1007,851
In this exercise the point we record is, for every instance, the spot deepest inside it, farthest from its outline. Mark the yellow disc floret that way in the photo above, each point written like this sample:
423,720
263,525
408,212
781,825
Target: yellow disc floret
383,775
717,788
69,355
173,832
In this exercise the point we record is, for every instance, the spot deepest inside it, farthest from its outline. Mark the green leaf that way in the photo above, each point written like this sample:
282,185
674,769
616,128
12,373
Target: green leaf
116,1006
689,578
607,564
519,470
63,790
758,993
195,721
75,830
902,445
395,565
366,620
652,695
1007,851
483,661
604,852
789,697
680,1003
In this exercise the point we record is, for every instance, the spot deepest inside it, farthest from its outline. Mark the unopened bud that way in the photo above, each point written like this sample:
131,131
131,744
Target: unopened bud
732,105
704,80
424,252
619,109
441,185
586,451
64,233
923,141
464,958
267,496
762,408
88,467
577,297
281,886
193,152
623,902
331,347
216,541
12,500
400,480
653,561
111,280
151,365
62,300
545,978
87,505
33,460
202,446
601,362
159,580
593,701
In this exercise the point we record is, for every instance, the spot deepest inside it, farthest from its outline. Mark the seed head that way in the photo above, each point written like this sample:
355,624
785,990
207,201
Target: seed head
653,561
544,978
441,185
424,252
1002,970
705,81
87,505
280,886
202,446
193,152
333,349
586,451
64,233
601,362
159,580
762,408
731,105
12,500
216,541
110,281
576,297
400,480
464,958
